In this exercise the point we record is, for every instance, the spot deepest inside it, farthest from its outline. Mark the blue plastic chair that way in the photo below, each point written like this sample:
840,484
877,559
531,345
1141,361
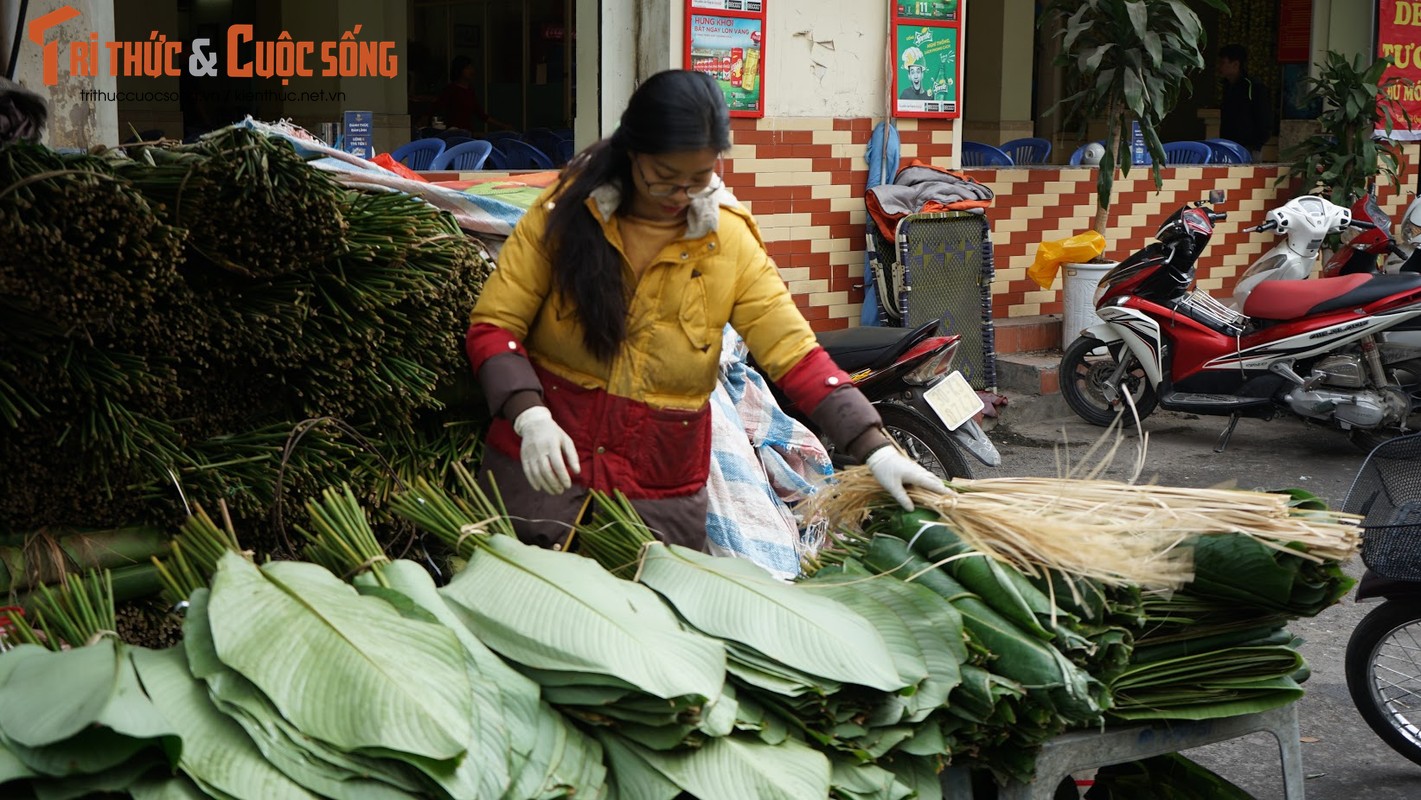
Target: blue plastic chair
450,141
548,142
1187,153
1227,151
565,151
522,155
1079,155
977,154
1028,150
496,159
419,154
470,155
499,137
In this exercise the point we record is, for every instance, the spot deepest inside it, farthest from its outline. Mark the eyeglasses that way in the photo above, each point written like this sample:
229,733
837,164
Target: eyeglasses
692,190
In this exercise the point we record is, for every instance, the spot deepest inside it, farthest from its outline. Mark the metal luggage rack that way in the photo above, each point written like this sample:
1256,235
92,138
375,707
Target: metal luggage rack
1204,307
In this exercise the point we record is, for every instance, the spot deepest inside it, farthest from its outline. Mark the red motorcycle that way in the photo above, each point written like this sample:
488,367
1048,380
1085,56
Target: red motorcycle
1363,248
1303,347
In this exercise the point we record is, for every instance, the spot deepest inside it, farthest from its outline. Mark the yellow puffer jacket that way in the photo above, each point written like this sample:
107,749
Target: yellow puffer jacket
641,422
718,273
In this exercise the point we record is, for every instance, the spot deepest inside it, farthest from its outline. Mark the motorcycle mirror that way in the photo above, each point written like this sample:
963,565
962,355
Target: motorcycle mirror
1217,196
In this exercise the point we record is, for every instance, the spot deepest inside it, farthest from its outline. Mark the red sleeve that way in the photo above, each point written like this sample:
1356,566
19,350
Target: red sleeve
812,379
485,340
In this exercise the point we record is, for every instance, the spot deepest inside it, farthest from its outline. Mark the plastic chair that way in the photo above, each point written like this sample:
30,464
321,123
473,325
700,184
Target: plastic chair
1187,153
450,141
499,137
565,151
548,142
452,133
497,159
470,155
1078,157
522,155
977,154
419,154
1028,150
1227,151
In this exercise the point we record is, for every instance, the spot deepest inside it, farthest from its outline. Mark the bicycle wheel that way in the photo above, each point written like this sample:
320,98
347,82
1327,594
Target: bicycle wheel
1384,674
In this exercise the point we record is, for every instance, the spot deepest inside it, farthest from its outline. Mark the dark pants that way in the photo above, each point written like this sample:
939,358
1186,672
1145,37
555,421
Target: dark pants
546,520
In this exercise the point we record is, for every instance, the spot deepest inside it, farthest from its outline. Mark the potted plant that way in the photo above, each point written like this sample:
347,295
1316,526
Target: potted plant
1353,144
1129,61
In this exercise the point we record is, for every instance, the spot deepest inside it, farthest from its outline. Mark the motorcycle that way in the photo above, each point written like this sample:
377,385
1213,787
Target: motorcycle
1362,249
927,407
1408,241
1303,347
1383,673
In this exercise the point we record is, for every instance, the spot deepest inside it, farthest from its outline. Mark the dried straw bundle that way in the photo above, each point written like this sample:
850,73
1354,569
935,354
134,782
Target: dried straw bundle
1112,532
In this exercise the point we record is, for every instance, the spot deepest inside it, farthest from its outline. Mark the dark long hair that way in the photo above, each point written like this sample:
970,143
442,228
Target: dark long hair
672,111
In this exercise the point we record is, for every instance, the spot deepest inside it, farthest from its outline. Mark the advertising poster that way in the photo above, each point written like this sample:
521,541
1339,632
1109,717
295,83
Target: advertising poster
926,82
1399,36
755,6
942,10
730,49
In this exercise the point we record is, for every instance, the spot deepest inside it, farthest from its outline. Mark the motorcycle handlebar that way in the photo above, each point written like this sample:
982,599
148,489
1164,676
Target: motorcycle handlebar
1362,225
1218,216
1267,226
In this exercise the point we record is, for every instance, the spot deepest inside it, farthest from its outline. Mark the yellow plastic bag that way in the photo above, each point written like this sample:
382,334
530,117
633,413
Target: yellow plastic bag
1050,255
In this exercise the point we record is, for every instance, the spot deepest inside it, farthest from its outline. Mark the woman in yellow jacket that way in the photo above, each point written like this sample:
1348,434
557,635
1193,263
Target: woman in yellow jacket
597,339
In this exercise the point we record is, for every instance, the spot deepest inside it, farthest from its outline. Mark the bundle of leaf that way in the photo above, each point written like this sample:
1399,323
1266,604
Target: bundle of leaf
86,258
227,189
1114,533
1219,646
134,365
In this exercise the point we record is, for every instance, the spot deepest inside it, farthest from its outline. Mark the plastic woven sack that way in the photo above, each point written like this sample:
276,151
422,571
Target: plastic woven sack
1051,255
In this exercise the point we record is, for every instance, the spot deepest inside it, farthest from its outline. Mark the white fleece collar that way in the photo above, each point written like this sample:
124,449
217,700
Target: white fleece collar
702,216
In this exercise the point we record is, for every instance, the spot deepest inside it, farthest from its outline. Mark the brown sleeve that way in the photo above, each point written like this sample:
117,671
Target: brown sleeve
507,381
850,421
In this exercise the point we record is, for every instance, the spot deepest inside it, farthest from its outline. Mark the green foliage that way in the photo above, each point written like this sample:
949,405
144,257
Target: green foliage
1132,60
1347,154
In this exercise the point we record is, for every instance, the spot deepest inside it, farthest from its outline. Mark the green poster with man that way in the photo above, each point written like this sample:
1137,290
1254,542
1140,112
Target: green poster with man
927,70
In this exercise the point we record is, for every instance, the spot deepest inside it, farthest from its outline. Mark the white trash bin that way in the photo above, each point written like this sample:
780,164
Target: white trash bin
1079,282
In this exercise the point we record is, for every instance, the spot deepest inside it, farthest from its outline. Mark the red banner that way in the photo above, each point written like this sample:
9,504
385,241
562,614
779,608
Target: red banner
1399,36
1294,30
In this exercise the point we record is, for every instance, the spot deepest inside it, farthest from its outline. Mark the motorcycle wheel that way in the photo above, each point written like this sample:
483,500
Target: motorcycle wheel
927,443
1384,675
1409,372
1086,366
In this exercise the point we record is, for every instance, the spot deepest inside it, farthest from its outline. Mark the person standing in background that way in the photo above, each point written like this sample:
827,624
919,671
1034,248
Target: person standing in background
1245,115
458,105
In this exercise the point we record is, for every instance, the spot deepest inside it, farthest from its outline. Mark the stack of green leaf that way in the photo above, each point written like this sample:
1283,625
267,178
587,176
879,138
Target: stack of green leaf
1037,647
172,315
1220,645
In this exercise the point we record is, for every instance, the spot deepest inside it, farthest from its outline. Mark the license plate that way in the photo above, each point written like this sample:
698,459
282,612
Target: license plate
954,400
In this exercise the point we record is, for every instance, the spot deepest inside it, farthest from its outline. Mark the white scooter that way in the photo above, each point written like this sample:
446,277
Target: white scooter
1408,239
1304,223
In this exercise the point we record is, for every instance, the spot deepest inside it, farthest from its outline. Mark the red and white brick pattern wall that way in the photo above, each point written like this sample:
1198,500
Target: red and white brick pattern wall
803,178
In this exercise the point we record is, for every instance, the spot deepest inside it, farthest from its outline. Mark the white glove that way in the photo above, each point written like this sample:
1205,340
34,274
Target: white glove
895,472
547,452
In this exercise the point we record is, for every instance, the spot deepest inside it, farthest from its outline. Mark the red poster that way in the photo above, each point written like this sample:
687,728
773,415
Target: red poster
1398,35
1294,30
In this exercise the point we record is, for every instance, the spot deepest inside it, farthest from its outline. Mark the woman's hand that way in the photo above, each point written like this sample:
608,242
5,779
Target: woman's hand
547,451
895,472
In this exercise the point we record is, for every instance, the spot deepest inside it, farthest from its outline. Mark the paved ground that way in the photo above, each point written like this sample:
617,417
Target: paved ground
1342,757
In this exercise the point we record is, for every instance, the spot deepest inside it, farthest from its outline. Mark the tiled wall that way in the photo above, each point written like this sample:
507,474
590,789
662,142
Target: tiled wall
804,180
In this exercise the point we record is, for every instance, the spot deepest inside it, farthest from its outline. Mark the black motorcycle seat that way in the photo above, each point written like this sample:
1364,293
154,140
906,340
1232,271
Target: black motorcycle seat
854,349
1280,300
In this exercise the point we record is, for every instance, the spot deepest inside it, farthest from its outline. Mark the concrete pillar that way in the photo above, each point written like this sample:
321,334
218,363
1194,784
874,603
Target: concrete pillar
618,77
152,103
83,111
587,117
1000,43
